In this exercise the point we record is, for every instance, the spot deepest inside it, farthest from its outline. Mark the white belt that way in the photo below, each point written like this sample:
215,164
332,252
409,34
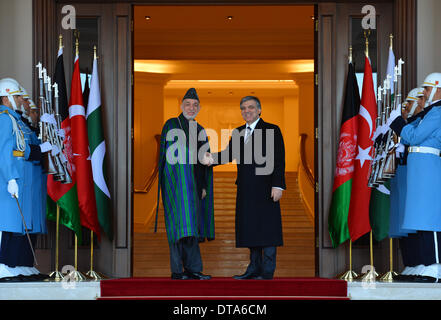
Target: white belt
430,150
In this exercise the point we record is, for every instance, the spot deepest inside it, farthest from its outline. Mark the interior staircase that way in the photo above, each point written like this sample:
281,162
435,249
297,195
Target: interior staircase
220,257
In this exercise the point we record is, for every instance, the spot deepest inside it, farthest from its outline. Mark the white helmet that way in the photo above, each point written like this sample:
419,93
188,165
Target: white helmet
10,88
32,104
24,93
412,97
432,80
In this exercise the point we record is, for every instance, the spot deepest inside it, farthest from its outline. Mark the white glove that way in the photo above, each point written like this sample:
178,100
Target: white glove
393,115
45,147
61,133
48,118
13,188
55,150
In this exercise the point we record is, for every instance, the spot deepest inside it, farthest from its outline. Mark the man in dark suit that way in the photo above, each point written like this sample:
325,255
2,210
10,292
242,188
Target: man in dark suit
259,151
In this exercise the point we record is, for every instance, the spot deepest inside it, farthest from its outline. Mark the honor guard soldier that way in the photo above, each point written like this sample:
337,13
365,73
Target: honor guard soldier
21,218
423,206
409,240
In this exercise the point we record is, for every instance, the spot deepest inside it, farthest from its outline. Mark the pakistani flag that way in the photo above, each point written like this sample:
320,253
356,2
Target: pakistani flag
344,171
379,206
97,147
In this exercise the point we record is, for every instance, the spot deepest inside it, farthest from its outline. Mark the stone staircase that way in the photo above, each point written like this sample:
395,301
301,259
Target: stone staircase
220,257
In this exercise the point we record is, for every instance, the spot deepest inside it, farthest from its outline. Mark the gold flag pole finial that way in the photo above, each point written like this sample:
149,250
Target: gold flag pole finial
391,38
350,54
60,42
366,36
94,53
77,44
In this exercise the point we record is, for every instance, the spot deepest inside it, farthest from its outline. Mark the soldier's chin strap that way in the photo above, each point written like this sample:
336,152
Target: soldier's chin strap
12,101
412,111
432,94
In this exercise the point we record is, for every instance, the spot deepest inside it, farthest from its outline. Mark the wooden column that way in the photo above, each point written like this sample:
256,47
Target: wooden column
405,42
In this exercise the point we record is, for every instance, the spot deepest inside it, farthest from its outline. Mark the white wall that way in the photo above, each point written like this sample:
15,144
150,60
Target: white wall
428,38
16,36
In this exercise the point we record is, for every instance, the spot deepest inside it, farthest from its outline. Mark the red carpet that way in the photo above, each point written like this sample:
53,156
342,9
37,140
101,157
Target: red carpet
224,288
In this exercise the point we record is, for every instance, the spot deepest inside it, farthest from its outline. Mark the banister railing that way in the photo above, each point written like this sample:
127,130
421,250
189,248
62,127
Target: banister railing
303,161
149,183
307,189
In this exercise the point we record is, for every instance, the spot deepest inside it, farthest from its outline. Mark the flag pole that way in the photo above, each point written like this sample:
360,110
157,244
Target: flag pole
349,275
96,276
57,275
91,273
76,275
371,274
389,276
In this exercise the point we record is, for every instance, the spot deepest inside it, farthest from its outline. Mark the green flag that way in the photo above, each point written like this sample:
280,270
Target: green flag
379,208
97,147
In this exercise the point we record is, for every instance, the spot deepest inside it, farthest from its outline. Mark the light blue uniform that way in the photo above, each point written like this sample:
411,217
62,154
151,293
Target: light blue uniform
398,195
18,168
38,186
423,204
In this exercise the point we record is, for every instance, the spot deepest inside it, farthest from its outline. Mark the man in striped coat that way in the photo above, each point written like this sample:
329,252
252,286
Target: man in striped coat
187,189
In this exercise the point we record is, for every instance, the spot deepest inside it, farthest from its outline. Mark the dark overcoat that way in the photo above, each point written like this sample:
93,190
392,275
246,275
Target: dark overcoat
260,166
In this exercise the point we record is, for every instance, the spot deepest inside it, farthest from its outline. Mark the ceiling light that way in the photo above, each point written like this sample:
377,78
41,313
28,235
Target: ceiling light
148,18
229,18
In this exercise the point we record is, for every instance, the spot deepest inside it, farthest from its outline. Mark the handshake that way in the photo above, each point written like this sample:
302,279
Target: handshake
207,160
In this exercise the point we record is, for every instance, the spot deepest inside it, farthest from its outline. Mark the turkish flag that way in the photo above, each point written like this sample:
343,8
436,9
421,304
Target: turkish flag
81,154
358,216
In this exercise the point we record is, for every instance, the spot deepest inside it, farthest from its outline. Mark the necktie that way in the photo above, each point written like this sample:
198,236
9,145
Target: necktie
247,133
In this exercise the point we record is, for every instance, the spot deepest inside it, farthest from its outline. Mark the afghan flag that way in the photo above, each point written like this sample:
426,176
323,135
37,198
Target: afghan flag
81,155
64,195
98,150
380,197
347,147
358,216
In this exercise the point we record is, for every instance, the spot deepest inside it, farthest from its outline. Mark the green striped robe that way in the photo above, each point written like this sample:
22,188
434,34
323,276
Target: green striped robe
185,213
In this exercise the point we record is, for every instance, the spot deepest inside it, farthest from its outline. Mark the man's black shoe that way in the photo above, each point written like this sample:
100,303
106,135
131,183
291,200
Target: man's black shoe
245,276
404,278
12,279
425,279
35,277
179,276
197,275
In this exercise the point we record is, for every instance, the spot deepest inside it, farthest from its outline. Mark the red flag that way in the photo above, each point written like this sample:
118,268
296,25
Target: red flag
80,150
358,216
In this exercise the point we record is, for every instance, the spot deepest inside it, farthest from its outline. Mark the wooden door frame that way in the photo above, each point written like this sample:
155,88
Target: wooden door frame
45,42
